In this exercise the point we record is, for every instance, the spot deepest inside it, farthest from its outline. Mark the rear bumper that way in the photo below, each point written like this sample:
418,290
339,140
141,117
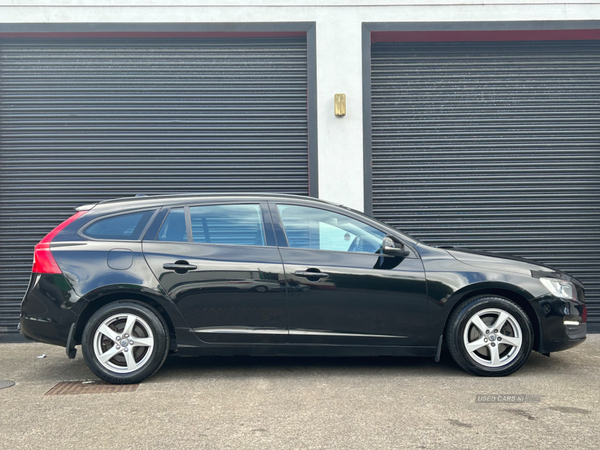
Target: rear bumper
47,311
34,329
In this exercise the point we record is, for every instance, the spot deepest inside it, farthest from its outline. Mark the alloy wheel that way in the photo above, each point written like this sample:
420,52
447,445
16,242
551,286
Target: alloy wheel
123,343
493,337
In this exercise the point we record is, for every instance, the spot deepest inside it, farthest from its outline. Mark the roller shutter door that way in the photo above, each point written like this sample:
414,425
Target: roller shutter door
90,119
493,146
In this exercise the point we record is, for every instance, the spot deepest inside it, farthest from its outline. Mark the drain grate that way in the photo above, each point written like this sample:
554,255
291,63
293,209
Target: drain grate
90,387
6,384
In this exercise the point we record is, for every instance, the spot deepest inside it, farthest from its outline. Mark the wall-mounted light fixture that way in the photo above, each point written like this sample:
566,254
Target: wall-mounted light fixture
339,101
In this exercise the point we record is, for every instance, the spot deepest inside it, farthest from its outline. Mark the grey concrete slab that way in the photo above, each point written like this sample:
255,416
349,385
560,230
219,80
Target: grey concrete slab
303,403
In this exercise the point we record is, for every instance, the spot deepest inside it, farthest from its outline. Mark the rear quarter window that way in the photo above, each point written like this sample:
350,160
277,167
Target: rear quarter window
123,227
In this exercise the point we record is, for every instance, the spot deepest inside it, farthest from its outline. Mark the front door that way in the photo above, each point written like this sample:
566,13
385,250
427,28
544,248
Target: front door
221,267
340,291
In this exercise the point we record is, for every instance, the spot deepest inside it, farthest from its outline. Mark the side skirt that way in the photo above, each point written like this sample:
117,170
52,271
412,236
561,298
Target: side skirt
304,350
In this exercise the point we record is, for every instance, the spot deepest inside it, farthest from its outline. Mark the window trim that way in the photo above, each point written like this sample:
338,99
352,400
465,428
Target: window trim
166,210
279,230
188,225
81,231
156,224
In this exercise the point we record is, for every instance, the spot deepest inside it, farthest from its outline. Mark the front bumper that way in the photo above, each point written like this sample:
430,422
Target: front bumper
562,323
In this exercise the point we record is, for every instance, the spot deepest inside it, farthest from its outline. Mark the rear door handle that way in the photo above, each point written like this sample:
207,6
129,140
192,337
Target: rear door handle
179,266
306,274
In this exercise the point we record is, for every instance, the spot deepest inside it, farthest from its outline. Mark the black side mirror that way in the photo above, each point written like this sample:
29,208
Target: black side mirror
391,248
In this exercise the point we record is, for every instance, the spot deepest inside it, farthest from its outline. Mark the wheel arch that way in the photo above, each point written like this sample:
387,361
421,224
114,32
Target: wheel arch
516,297
100,301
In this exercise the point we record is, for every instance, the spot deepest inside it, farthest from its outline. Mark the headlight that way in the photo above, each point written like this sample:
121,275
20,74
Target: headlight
560,288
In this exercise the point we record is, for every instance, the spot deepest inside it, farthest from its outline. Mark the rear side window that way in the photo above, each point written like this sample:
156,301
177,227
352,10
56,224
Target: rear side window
227,224
124,227
173,228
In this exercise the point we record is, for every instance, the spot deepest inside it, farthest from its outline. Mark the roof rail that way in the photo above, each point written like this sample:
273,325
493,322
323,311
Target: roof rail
86,207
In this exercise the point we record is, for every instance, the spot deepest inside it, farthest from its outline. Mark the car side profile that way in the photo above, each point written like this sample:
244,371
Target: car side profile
133,279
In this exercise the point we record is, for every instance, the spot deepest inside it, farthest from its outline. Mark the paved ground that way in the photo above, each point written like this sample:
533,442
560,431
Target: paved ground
303,403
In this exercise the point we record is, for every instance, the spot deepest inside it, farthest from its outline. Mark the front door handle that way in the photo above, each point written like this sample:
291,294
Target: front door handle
307,274
179,266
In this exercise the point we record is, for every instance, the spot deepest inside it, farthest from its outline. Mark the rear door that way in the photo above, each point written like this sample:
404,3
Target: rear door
220,265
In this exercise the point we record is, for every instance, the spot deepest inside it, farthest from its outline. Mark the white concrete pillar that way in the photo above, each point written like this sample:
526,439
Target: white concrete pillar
340,139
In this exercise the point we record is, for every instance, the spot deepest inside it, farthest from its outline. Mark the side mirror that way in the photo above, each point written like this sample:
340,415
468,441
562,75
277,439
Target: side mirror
389,248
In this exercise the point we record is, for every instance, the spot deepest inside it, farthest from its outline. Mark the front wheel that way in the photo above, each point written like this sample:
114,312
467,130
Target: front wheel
125,342
490,336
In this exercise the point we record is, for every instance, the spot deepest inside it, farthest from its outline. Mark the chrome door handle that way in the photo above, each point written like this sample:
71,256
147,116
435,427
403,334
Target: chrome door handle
306,274
179,266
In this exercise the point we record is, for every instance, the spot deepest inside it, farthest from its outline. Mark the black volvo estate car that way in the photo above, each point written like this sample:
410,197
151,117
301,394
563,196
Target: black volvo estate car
136,278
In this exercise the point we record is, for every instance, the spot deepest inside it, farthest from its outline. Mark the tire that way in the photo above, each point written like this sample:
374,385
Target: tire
481,346
120,357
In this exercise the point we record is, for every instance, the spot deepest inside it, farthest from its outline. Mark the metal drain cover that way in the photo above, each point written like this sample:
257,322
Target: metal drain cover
89,387
6,384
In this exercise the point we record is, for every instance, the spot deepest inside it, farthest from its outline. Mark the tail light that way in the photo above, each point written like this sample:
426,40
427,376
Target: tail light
43,261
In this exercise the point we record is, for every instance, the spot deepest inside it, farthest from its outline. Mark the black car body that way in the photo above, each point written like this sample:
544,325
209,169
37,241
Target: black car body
270,275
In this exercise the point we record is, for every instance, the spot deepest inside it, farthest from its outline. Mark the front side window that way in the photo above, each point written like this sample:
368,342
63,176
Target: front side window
124,227
227,224
319,229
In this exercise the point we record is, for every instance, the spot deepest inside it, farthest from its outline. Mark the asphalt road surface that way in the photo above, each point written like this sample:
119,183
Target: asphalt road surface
304,403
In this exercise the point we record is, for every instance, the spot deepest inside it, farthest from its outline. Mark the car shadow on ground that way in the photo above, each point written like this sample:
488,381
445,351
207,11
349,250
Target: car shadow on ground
179,368
233,366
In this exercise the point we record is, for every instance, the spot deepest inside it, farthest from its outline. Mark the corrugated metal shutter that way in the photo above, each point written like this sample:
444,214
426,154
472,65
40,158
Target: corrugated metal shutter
493,146
85,120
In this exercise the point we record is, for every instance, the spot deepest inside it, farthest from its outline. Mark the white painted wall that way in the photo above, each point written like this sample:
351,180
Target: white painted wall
339,57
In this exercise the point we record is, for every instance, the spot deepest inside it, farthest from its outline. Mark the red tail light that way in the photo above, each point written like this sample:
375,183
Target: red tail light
43,261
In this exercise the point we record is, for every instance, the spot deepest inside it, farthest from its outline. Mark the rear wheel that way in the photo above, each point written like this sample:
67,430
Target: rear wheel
490,336
125,342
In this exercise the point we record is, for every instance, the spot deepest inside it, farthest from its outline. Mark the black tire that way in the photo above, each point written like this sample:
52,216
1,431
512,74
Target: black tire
146,348
489,353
